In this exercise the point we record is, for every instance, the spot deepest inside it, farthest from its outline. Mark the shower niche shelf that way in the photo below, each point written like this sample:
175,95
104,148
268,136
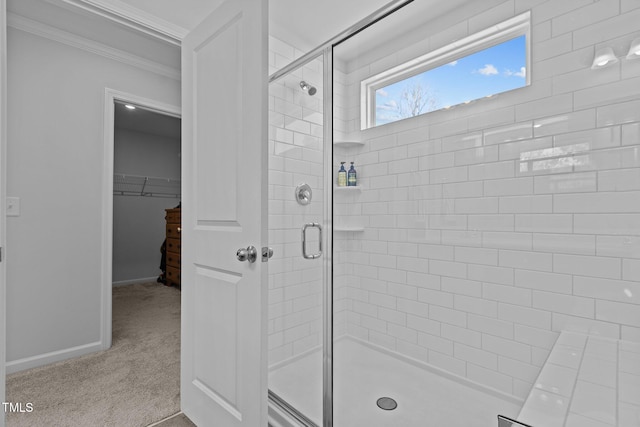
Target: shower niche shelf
348,144
349,224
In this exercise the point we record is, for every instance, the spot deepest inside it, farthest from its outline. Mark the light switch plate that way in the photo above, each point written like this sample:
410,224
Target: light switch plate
13,206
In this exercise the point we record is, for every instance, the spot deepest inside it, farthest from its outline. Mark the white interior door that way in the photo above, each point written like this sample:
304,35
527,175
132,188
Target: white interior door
224,137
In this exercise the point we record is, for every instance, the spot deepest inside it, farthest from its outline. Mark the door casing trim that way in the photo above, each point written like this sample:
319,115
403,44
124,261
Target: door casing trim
111,96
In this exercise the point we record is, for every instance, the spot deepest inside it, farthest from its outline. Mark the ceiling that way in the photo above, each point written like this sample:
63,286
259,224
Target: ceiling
157,26
304,23
67,20
308,23
153,29
185,14
146,121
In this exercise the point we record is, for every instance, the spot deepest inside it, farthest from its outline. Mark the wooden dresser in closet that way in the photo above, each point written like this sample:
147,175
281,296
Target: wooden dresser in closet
173,246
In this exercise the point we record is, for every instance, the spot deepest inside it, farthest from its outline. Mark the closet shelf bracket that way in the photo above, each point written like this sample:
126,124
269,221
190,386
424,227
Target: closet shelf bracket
146,186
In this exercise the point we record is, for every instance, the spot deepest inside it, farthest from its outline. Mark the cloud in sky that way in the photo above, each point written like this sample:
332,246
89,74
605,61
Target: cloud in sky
391,105
382,93
453,63
488,70
522,73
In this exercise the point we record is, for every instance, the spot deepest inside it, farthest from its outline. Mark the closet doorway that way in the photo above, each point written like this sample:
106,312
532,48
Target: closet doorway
142,150
145,311
146,182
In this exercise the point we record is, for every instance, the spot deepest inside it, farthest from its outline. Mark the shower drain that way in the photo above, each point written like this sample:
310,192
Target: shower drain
387,403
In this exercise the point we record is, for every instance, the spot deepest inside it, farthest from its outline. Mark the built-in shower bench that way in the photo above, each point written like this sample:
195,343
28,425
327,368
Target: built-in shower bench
587,381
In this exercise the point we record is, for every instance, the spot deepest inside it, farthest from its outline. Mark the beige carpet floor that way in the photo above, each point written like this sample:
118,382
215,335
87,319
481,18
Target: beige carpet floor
133,384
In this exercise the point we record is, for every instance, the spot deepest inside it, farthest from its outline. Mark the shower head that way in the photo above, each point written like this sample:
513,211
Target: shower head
311,90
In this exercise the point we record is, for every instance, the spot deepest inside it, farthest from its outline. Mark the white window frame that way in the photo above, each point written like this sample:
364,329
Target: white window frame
517,26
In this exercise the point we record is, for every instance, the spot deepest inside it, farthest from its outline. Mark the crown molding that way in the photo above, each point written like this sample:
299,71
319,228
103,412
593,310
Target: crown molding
132,17
34,27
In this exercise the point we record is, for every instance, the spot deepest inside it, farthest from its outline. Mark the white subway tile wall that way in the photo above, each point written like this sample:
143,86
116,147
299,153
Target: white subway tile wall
489,228
295,156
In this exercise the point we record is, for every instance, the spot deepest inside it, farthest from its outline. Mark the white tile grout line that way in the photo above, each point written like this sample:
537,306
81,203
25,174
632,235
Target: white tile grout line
165,419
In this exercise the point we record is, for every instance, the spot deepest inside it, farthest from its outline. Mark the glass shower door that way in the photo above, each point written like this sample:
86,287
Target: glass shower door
296,216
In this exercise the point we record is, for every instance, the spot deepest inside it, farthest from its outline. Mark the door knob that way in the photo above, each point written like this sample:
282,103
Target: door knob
249,254
267,252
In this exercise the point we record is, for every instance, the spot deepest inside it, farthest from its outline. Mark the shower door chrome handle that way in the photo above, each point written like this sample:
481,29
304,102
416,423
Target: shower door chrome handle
304,240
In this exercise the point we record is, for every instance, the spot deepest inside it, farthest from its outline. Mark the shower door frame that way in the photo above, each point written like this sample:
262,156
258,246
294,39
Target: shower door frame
326,51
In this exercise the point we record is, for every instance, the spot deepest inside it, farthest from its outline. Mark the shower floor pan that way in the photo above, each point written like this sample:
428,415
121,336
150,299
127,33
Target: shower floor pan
362,375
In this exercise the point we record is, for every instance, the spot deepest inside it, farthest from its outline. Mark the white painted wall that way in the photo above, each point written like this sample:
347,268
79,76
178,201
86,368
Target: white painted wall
138,221
56,150
474,264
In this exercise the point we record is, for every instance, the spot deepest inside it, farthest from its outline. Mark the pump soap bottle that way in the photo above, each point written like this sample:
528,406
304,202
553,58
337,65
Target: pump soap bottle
342,176
351,176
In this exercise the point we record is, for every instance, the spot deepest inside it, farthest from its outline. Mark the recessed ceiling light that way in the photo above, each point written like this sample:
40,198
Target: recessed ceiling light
130,107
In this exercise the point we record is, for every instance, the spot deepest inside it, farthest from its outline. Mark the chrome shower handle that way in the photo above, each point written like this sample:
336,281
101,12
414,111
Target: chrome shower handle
305,255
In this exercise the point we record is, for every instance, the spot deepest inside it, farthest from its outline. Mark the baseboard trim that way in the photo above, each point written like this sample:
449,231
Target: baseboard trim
135,281
54,356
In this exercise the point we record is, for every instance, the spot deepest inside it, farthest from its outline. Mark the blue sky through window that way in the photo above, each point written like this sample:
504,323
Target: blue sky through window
490,71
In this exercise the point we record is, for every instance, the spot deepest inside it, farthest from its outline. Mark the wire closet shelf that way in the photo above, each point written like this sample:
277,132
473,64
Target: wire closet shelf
147,186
